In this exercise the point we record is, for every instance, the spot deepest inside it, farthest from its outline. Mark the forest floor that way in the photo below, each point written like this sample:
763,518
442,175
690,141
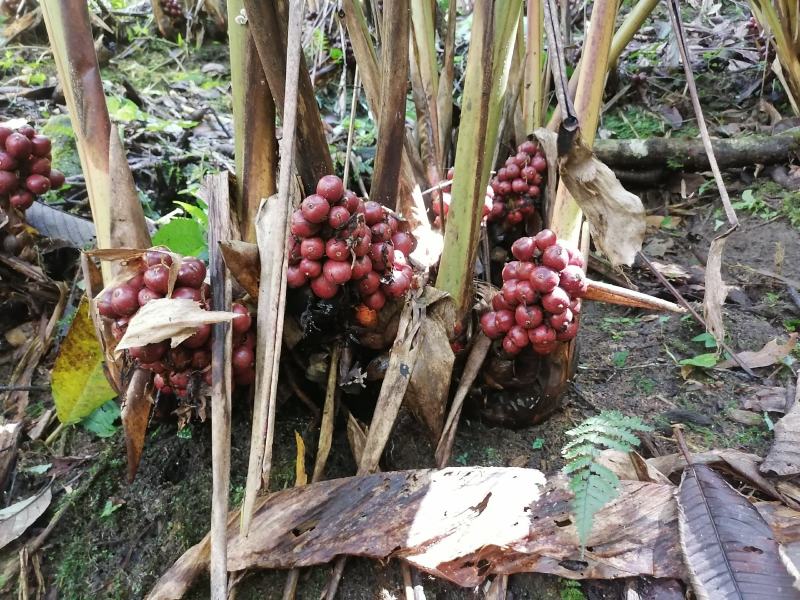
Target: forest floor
120,537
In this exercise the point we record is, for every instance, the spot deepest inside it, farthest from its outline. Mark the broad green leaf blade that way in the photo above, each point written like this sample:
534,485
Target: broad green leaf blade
102,421
705,361
79,383
182,235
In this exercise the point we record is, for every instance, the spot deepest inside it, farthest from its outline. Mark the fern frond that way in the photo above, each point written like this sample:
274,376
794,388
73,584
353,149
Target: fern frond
594,485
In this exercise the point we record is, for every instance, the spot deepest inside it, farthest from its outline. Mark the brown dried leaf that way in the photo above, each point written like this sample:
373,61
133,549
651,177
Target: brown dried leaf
135,416
773,352
616,217
767,399
128,225
15,519
165,318
243,262
784,457
729,548
427,392
716,289
9,442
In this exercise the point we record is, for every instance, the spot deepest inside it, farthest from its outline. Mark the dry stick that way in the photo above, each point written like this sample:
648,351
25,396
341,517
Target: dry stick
352,126
219,219
682,301
273,282
614,294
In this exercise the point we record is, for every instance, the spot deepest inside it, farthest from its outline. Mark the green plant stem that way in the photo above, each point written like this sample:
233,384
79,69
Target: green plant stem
534,101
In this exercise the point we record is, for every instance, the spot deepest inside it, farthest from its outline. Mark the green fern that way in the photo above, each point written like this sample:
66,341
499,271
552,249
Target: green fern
592,484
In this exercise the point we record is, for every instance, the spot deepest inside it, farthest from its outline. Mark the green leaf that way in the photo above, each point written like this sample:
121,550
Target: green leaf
196,212
181,235
619,358
707,339
38,469
538,443
78,382
109,508
102,421
705,361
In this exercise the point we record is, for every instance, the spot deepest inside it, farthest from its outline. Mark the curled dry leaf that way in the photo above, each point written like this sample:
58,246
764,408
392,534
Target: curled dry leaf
772,353
243,262
728,547
169,318
15,519
784,456
616,216
135,417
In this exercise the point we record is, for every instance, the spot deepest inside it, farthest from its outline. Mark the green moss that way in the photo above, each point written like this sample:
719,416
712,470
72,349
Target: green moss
65,152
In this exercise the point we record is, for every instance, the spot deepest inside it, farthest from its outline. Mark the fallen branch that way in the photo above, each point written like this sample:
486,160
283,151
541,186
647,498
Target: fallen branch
690,155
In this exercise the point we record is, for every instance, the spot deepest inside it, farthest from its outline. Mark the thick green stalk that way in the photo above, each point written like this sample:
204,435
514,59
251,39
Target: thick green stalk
533,97
491,43
422,13
253,122
566,215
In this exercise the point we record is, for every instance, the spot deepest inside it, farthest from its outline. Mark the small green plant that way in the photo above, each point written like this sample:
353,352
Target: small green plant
593,484
707,359
755,205
571,591
615,325
620,358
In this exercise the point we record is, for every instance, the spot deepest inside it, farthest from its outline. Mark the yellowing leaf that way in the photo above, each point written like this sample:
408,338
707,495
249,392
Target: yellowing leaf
79,384
300,478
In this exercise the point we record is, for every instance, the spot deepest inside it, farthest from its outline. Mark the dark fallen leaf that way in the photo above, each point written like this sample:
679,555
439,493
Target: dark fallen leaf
784,457
729,549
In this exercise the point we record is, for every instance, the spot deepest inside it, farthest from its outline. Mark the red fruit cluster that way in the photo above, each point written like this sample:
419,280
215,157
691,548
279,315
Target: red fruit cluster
172,8
540,299
518,184
25,170
176,367
337,239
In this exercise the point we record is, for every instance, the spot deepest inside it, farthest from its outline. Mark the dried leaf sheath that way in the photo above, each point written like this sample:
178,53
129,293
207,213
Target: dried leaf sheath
729,549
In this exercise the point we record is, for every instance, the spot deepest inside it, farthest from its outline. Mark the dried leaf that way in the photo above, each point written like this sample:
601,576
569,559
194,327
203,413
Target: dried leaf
427,392
784,457
772,353
128,225
9,442
767,399
165,318
300,475
135,416
79,383
729,548
15,519
616,217
243,262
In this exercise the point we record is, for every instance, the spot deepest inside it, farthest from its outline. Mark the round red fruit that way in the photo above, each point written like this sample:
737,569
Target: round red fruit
361,266
8,182
331,188
295,277
312,248
539,163
373,213
543,279
350,202
315,209
542,334
515,217
544,349
499,302
525,270
504,320
369,284
381,232
37,184
556,257
241,324
40,166
310,268
300,227
199,338
187,293
179,379
136,282
575,306
27,131
573,281
529,147
243,358
489,325
145,295
510,270
157,257
159,382
337,272
505,188
40,145
18,145
569,332
338,217
509,291
576,258
180,357
534,191
124,300
510,347
528,317
519,186
525,292
375,301
149,353
22,200
404,242
382,255
155,367
528,173
104,306
191,273
512,173
523,248
398,285
363,245
156,278
7,162
556,301
4,133
323,287
545,238
337,250
518,335
561,321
